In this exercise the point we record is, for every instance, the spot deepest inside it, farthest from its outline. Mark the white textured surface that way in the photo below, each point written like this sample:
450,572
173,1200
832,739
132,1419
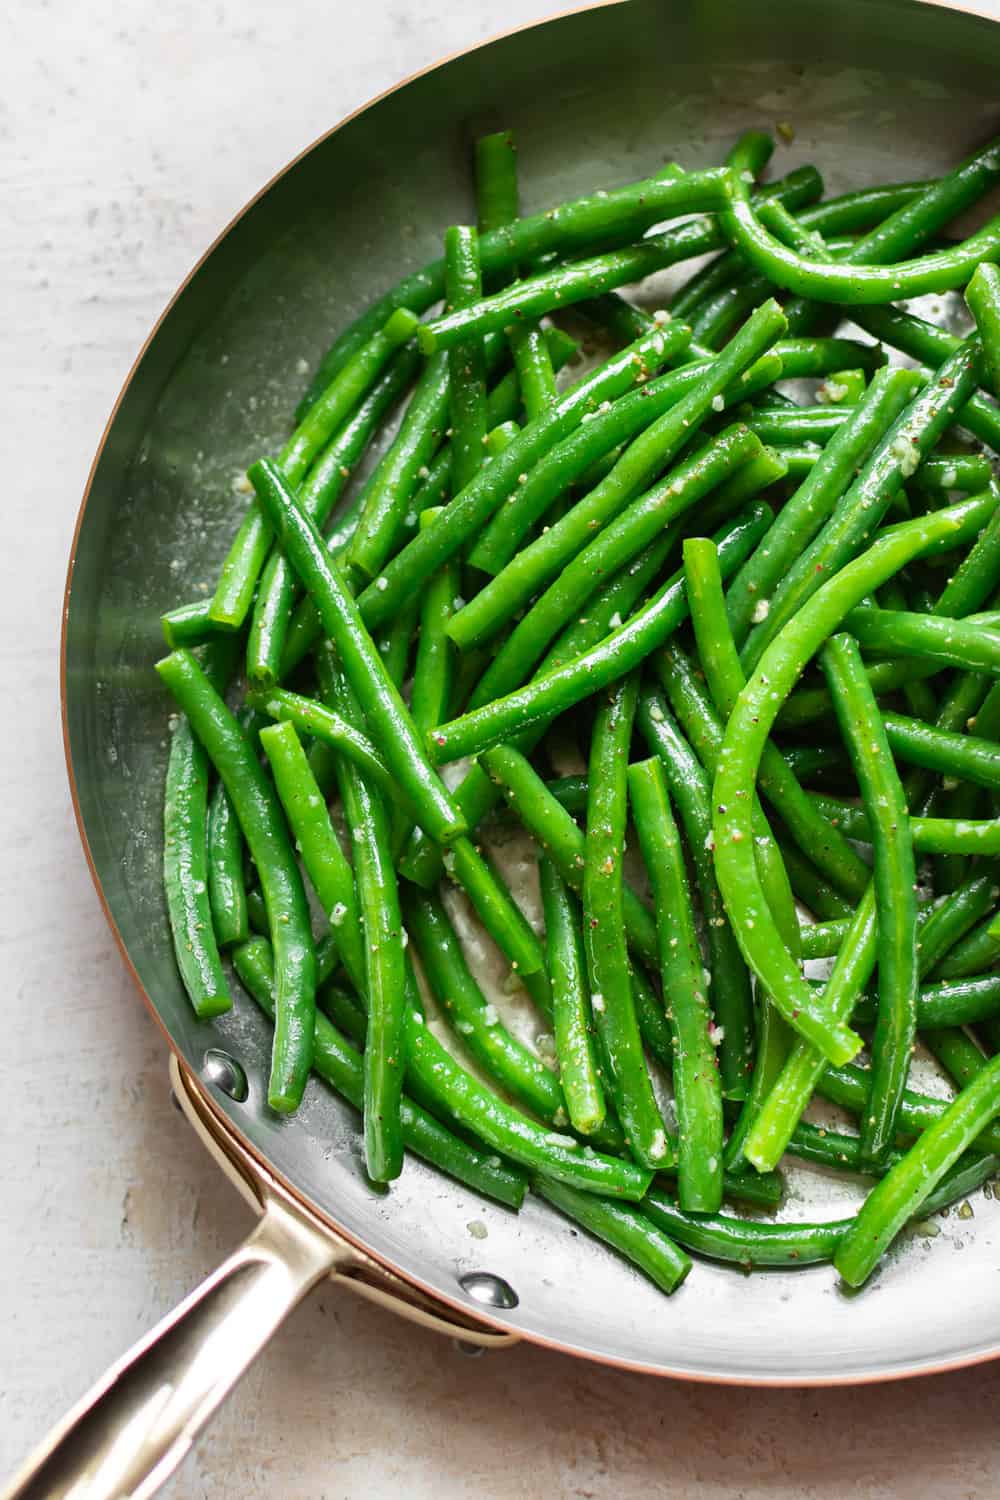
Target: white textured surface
128,137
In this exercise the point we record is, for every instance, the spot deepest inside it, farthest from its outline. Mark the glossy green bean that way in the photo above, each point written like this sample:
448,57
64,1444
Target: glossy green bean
730,994
517,1070
315,719
930,835
956,1002
977,576
186,860
983,297
627,1230
264,829
809,704
562,687
226,884
513,1134
746,734
496,180
188,624
463,285
894,880
365,671
976,952
697,1089
572,1022
962,755
899,1194
337,1062
857,283
434,665
970,645
748,1242
611,998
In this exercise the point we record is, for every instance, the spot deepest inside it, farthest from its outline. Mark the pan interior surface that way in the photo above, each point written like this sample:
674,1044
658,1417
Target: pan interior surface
596,99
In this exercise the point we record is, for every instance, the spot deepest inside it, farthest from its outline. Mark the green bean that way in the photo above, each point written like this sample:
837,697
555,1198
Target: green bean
894,879
392,487
823,939
956,1002
927,342
501,917
746,734
860,509
832,1149
562,687
647,455
226,886
573,457
384,961
961,755
470,510
976,952
466,365
977,575
983,297
957,1053
264,829
800,518
313,718
627,1230
899,1194
572,1020
188,624
613,548
248,553
801,424
611,995
730,994
847,1086
704,728
970,472
365,671
697,1090
481,1031
748,1242
323,859
857,283
576,280
969,644
318,494
186,859
534,369
496,180
339,1065
811,888
930,835
434,666
781,1111
511,1133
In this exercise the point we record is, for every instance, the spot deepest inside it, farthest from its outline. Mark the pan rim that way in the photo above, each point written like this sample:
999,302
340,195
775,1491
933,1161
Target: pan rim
866,1375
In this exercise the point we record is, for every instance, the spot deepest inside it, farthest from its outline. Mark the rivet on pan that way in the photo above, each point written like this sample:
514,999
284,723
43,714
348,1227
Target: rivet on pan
491,1290
226,1073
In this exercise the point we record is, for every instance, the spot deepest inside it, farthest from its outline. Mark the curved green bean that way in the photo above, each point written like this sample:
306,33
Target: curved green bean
226,885
627,1230
983,297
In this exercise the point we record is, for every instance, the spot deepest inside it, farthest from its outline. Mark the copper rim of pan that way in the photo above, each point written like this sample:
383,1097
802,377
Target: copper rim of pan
959,1362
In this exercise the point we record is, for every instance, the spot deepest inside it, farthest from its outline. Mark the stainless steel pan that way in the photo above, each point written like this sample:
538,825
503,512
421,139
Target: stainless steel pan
875,90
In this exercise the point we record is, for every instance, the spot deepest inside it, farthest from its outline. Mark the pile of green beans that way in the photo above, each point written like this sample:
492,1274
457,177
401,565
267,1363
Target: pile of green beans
716,606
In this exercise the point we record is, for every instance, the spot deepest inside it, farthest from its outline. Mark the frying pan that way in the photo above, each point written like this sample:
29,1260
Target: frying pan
875,90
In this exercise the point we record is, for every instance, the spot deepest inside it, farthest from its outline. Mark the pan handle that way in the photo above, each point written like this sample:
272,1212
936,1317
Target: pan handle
129,1433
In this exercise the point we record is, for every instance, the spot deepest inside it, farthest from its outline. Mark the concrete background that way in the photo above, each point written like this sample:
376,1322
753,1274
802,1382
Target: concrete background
128,137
